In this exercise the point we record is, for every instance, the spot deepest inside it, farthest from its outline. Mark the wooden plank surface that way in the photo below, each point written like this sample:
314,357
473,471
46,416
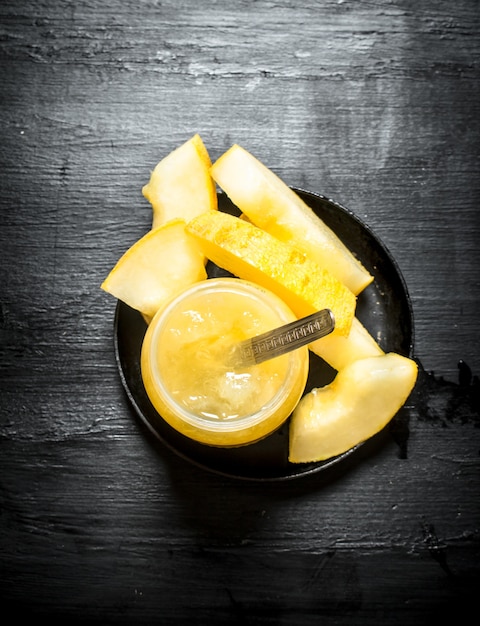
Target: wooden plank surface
374,104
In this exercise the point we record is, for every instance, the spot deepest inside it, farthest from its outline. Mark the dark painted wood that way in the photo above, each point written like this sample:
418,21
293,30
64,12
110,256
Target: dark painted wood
374,104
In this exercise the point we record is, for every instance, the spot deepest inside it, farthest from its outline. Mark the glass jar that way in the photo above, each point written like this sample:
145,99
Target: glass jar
186,370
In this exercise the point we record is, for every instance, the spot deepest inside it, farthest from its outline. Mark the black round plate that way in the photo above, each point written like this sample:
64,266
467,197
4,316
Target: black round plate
384,308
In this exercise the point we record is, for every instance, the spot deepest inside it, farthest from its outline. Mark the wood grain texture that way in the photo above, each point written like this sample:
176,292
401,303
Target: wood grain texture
374,104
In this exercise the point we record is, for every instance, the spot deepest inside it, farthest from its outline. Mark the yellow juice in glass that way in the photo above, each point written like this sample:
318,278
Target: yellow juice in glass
186,370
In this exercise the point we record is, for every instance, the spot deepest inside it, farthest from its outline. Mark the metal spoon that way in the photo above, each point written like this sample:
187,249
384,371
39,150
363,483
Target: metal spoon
283,339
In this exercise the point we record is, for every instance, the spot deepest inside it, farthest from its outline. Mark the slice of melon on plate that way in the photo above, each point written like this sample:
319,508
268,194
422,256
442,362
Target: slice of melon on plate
269,203
157,267
356,405
340,351
253,254
181,185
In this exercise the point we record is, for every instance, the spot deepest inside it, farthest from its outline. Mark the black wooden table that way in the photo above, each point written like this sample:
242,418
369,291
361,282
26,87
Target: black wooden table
373,104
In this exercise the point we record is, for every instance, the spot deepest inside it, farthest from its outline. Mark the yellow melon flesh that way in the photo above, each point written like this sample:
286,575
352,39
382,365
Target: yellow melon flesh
157,267
270,204
252,254
181,186
359,403
340,351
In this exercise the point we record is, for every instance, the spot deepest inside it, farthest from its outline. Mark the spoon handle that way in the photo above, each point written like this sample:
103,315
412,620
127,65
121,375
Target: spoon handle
284,339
